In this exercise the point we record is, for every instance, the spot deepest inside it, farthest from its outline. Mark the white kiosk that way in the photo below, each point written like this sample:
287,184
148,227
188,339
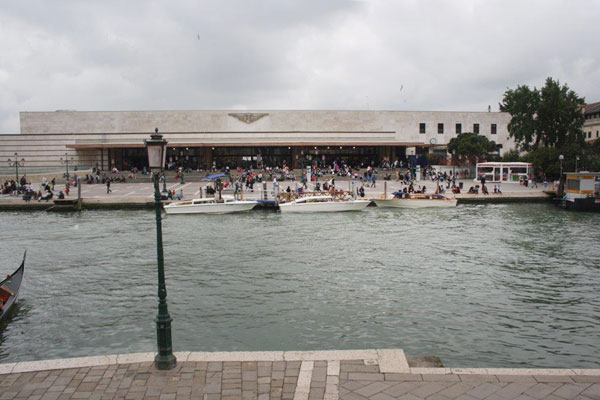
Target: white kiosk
503,171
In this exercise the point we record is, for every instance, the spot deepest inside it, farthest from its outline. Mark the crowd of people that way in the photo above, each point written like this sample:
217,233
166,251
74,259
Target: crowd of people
26,189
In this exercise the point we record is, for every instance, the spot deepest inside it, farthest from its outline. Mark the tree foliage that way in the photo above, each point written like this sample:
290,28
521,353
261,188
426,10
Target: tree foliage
549,117
511,156
472,146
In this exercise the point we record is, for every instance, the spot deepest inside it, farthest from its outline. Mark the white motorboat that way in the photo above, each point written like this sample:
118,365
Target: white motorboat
210,205
325,203
416,200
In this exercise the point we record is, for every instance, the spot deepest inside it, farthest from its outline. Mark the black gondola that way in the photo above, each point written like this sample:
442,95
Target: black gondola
9,290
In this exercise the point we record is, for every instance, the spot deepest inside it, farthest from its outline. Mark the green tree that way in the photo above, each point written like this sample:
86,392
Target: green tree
590,157
549,117
472,146
511,156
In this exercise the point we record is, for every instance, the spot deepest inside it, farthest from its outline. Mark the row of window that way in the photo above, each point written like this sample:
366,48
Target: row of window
592,116
458,128
589,134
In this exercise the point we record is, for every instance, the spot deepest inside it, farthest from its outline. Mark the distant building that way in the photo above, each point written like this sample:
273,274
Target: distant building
203,139
591,126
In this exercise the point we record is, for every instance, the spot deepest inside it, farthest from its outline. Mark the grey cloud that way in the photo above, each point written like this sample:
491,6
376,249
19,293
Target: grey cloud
458,55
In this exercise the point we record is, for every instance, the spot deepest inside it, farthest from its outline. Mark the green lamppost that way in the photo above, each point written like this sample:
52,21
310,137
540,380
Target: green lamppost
561,158
66,161
165,359
16,164
454,164
164,176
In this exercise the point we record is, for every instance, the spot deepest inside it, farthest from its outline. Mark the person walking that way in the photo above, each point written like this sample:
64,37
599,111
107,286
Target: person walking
108,186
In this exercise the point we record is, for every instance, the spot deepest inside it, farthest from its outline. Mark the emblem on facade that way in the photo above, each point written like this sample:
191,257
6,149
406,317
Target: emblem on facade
248,117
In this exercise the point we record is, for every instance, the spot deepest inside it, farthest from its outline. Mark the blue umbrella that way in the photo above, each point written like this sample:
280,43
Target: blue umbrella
213,177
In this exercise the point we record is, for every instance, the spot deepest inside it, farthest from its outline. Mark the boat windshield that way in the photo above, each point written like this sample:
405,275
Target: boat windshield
320,199
200,201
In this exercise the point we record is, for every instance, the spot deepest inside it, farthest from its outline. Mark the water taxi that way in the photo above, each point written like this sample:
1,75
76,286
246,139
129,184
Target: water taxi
323,203
416,200
210,205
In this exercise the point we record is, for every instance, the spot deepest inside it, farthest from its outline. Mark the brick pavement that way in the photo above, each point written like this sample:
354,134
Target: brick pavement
297,379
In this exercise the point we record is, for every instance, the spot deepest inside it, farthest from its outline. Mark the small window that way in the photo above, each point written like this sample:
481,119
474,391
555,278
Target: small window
440,128
493,129
422,127
597,133
458,129
589,135
476,128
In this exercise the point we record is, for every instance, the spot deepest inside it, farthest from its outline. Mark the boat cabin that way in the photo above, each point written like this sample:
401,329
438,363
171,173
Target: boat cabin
582,191
503,171
582,184
204,200
314,199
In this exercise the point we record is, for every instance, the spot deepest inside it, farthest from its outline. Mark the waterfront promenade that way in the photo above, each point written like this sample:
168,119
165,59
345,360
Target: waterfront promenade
141,194
328,375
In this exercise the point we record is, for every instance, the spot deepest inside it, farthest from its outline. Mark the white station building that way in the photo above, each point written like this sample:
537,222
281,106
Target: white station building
203,139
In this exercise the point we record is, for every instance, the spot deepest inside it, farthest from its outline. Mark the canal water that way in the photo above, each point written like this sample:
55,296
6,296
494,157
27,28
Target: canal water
509,285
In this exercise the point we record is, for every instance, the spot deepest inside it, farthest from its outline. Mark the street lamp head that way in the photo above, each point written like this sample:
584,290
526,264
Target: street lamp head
577,158
561,157
156,151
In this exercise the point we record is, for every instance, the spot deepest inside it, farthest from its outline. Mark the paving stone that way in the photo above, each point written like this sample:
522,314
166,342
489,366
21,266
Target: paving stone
592,391
478,378
352,396
215,366
372,388
290,379
457,389
359,368
484,390
362,376
382,396
249,366
316,393
514,389
426,389
553,378
516,378
264,380
570,390
403,377
586,378
319,374
264,388
542,390
278,366
292,371
399,389
440,377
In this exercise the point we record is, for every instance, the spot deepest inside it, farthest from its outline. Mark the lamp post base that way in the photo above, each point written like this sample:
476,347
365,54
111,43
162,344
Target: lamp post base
165,362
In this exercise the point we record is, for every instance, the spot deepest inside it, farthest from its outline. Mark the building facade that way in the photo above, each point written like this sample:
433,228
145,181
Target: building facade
591,126
205,139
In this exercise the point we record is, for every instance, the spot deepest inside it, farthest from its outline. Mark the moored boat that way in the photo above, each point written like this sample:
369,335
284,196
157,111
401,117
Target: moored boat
9,289
210,205
581,191
416,200
323,203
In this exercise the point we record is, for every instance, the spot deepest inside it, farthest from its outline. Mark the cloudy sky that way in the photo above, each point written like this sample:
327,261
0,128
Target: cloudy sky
278,54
